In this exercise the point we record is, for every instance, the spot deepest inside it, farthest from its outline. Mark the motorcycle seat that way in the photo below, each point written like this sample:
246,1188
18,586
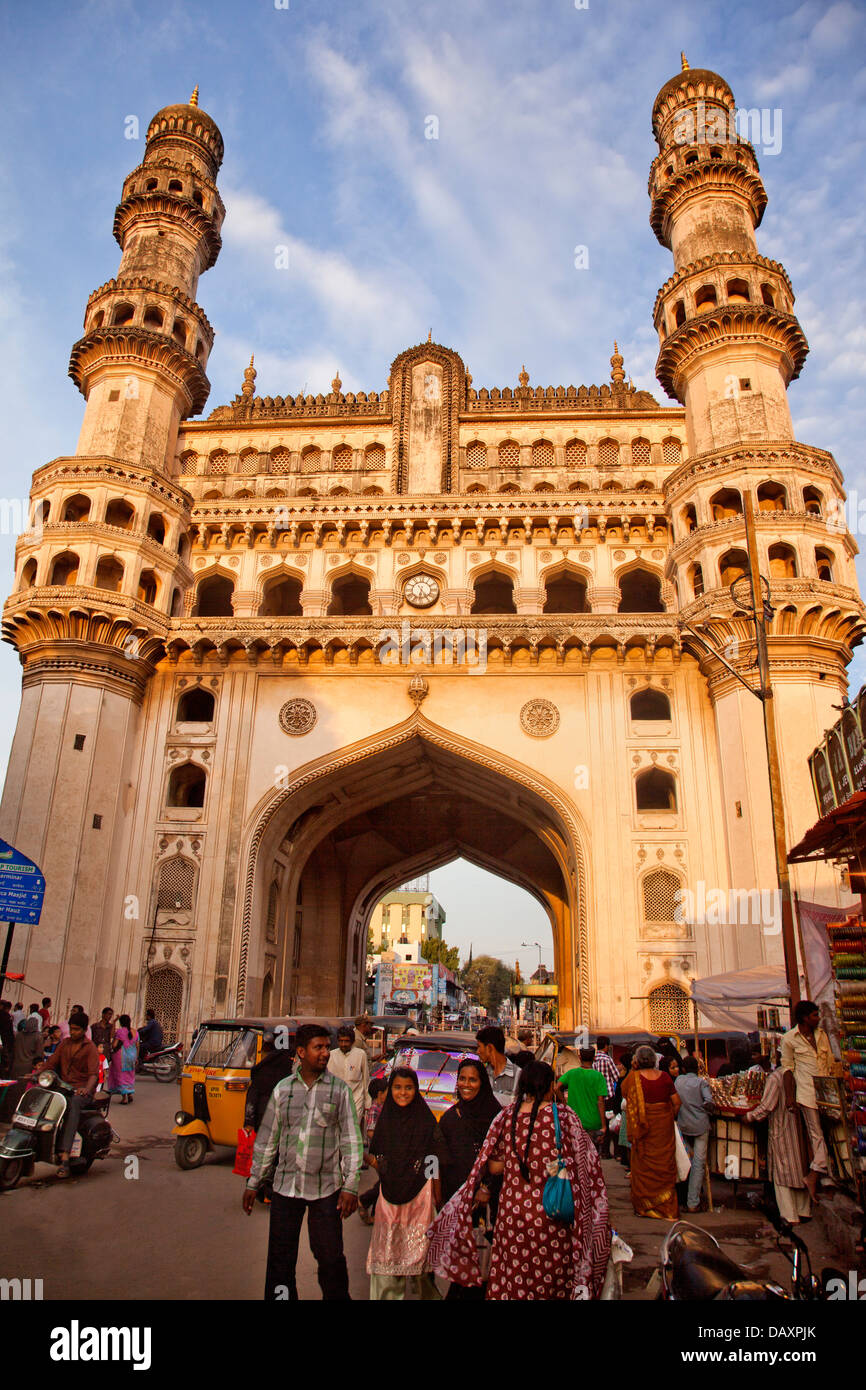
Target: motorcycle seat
699,1270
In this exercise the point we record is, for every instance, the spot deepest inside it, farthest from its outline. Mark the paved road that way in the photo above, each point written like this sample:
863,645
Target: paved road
164,1234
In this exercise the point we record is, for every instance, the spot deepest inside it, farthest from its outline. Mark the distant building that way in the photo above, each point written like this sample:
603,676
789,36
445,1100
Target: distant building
412,917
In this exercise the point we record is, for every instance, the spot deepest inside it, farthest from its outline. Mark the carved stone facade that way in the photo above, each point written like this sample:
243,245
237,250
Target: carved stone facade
515,559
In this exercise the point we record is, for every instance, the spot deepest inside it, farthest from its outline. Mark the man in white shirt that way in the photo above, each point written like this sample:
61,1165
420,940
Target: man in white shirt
351,1064
806,1053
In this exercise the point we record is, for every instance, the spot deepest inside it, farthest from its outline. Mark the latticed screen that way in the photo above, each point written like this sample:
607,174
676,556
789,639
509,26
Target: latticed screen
375,456
575,453
165,997
341,458
542,454
219,461
249,461
476,455
188,461
311,461
281,461
641,454
672,452
659,896
176,884
509,454
669,1009
608,453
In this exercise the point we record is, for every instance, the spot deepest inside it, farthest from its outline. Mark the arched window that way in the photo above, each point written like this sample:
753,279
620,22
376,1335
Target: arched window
565,592
643,486
494,593
688,519
175,186
650,704
705,298
768,297
179,332
824,563
612,487
544,487
123,313
372,492
659,890
679,314
476,487
188,462
41,513
509,487
575,454
156,528
64,569
772,497
696,576
153,317
655,790
175,885
813,501
737,292
148,587
509,454
109,574
176,603
579,487
672,452
341,458
640,592
281,598
608,453
375,456
218,463
165,996
76,508
28,574
214,597
248,461
311,459
350,597
196,706
726,503
119,513
641,453
733,565
186,786
281,460
670,1010
476,454
783,562
543,455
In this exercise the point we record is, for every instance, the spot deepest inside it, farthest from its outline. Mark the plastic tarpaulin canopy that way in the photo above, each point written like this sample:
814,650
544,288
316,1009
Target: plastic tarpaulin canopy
731,1000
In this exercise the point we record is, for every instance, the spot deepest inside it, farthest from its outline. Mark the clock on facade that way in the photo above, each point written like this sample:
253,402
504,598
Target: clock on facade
421,590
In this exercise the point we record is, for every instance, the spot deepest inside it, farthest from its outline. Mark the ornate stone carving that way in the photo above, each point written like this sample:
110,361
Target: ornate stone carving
297,717
539,718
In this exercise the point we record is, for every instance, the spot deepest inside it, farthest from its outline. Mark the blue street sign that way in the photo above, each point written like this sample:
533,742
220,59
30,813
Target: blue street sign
22,887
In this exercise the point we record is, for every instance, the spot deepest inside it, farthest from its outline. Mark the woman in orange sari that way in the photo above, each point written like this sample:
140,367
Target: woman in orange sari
651,1106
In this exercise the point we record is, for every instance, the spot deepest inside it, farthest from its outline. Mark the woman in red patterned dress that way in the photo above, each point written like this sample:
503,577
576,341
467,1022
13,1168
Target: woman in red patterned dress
533,1257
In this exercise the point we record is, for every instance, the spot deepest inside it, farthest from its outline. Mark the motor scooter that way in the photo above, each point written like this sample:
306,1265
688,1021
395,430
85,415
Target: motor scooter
166,1063
34,1134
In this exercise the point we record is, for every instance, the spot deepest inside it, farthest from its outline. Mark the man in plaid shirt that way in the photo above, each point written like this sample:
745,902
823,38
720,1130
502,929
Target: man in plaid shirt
309,1146
605,1064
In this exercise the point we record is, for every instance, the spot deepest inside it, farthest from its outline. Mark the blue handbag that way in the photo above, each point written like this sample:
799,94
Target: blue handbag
558,1199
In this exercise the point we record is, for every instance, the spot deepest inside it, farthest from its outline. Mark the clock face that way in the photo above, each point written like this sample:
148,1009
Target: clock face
421,590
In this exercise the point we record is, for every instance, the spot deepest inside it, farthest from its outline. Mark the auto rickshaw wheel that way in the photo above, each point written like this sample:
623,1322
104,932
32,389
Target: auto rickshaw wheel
190,1150
10,1171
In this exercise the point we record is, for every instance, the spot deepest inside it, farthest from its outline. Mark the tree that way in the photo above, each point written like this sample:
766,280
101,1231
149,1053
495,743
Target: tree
439,952
489,980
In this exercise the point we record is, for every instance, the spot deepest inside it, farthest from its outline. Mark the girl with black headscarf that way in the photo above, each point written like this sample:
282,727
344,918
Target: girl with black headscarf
463,1130
405,1150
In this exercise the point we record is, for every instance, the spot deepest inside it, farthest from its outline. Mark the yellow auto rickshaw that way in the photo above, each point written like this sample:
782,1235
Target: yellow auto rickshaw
216,1077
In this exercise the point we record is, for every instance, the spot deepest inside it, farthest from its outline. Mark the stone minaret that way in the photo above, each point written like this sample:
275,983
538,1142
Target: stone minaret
105,564
729,346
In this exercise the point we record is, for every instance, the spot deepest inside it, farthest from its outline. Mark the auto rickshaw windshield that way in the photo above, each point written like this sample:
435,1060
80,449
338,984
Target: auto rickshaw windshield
223,1047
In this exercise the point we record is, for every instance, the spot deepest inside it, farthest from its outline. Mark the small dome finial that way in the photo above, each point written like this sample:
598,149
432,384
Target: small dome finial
336,384
523,378
249,387
193,101
617,375
430,335
685,62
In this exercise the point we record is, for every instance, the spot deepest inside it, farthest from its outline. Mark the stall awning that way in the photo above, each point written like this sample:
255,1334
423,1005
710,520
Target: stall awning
841,834
731,1000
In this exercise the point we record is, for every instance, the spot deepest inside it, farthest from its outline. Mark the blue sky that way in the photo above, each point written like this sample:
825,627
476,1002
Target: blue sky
544,143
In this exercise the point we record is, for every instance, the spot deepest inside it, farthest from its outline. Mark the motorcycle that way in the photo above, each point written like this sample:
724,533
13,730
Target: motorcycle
36,1127
693,1266
166,1063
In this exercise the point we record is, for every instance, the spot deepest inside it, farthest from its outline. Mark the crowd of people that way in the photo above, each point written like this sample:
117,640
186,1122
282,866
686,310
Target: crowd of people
29,1039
